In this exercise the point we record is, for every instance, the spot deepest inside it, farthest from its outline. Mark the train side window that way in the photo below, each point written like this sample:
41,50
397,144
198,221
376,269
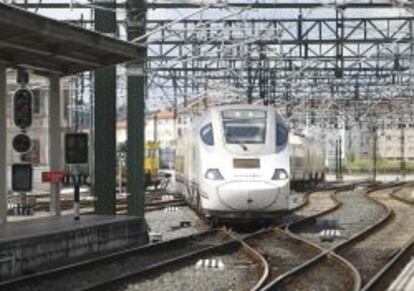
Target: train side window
282,134
206,134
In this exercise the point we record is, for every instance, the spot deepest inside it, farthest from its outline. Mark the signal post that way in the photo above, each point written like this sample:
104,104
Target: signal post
55,141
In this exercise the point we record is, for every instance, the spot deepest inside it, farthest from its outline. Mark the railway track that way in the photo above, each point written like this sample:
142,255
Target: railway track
305,265
406,195
278,258
326,272
153,203
352,213
108,270
316,202
327,269
399,240
375,248
389,273
274,245
236,267
281,251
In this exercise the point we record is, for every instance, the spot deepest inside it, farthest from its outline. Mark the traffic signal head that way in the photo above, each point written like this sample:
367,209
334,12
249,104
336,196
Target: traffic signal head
22,177
76,148
23,108
21,143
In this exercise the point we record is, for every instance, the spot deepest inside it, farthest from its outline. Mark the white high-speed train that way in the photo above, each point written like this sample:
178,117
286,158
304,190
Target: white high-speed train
236,161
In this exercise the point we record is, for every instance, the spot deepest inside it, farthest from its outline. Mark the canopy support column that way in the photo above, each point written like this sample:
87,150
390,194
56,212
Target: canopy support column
3,146
136,111
55,141
105,120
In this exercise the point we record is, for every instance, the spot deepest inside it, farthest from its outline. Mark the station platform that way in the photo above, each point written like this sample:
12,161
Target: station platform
34,245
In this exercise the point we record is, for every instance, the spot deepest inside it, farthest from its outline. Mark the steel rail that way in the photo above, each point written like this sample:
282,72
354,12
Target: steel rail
258,257
401,199
383,279
248,238
363,234
391,270
184,247
225,247
327,253
324,253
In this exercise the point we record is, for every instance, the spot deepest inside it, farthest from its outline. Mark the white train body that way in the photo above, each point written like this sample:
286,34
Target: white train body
233,162
307,159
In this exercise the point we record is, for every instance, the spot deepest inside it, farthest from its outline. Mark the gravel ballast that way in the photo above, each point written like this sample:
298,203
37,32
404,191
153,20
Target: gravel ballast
238,273
356,213
167,222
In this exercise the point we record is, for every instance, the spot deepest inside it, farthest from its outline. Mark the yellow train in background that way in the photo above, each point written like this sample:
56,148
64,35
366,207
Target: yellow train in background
151,164
151,167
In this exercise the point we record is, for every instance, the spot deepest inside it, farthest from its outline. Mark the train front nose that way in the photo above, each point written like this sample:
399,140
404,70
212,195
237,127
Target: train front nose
248,195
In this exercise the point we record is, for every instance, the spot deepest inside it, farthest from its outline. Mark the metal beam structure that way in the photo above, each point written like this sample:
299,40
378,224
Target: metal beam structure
155,4
136,93
340,60
105,121
342,52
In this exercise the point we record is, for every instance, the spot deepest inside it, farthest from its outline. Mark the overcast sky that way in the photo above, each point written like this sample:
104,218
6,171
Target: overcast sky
215,13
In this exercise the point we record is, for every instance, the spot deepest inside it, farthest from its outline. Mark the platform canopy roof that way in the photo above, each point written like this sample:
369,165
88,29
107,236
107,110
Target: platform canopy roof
51,47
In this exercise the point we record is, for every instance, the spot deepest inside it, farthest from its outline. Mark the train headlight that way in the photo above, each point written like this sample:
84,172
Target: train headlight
280,174
213,174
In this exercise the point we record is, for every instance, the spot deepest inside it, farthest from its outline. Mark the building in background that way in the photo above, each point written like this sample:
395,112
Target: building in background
357,143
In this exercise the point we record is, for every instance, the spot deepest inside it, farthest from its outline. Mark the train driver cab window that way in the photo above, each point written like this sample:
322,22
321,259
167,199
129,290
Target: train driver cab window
282,134
206,134
244,126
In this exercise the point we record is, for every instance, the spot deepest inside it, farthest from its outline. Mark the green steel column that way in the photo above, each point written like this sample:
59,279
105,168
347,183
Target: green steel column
136,14
3,146
55,141
105,120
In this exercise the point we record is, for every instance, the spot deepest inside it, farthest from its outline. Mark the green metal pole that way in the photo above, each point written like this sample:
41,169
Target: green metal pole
3,146
55,141
136,15
105,120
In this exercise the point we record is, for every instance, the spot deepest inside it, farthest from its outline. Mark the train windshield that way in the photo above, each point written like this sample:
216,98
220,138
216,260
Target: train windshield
244,126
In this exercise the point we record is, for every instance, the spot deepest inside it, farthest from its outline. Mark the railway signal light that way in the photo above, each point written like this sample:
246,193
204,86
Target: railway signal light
22,177
76,148
21,143
23,108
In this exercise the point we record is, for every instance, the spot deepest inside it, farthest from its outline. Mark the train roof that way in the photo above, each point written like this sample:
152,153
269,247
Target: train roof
241,106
